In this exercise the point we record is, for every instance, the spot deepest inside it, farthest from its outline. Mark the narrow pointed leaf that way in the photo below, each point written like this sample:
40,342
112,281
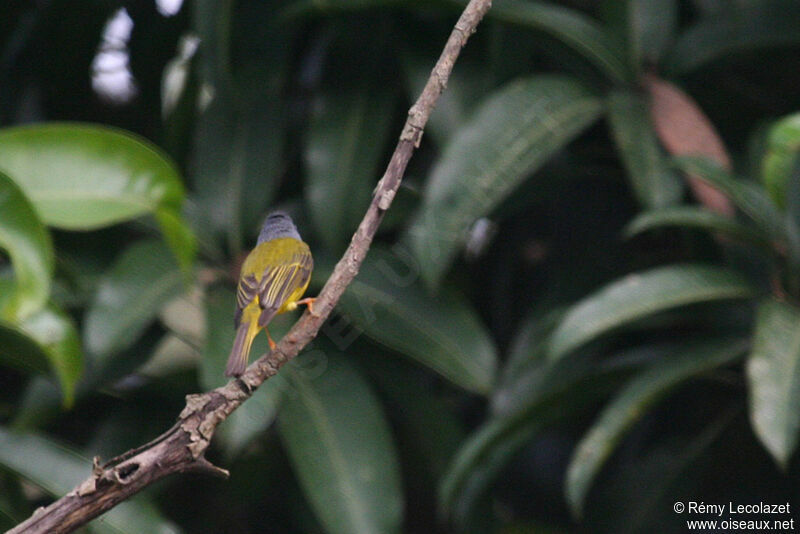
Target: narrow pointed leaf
28,244
640,295
773,374
573,28
648,27
387,301
632,402
237,157
340,446
83,177
748,197
129,297
653,180
514,131
347,136
558,391
57,469
694,217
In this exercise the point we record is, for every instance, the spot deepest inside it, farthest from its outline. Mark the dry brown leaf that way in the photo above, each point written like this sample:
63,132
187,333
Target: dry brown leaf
685,130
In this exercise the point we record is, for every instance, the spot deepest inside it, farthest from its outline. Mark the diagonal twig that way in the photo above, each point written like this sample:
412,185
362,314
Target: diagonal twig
182,448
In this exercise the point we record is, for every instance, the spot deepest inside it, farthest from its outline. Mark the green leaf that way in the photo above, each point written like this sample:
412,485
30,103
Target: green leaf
661,471
652,179
750,198
179,237
306,8
695,217
341,449
57,469
240,135
648,27
28,244
55,333
514,131
129,297
528,348
632,402
237,159
252,418
571,27
19,351
773,375
481,458
560,391
429,432
744,27
783,145
640,295
84,177
348,130
387,302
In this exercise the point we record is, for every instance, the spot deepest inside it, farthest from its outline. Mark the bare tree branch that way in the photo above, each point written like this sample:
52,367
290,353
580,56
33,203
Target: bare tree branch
182,448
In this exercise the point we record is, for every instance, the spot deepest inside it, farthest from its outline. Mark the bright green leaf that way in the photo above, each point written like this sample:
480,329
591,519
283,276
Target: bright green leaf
640,295
783,145
632,402
129,297
178,236
28,244
340,446
55,333
515,131
387,302
571,27
695,217
57,469
652,178
773,373
348,131
83,177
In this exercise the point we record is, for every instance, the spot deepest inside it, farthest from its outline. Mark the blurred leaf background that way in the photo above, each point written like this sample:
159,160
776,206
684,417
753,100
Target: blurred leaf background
583,306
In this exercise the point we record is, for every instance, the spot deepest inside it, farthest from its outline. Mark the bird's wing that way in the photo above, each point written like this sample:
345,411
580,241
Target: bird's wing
279,282
245,293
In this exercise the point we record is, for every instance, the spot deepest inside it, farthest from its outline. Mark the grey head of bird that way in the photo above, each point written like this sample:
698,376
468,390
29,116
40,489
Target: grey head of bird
277,225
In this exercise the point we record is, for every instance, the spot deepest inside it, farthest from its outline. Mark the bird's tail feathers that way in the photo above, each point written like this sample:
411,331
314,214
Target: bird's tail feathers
237,361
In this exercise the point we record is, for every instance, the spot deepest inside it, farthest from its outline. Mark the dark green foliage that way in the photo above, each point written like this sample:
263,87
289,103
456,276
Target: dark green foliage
548,334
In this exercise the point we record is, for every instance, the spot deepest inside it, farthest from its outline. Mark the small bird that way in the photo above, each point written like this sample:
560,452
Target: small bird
273,278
